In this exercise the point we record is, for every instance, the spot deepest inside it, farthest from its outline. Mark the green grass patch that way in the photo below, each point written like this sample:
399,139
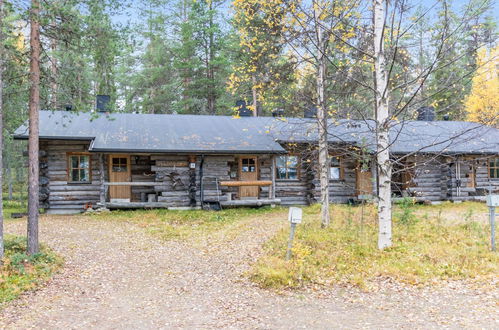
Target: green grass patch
21,272
173,224
425,248
13,206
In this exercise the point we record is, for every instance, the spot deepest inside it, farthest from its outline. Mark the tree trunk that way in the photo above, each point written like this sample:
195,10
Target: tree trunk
382,129
53,74
34,102
1,130
211,71
322,121
255,96
9,182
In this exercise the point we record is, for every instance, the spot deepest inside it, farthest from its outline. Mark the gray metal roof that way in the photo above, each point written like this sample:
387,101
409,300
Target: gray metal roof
125,132
447,137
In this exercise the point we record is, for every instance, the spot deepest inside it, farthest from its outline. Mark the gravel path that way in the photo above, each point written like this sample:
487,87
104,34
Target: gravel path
116,276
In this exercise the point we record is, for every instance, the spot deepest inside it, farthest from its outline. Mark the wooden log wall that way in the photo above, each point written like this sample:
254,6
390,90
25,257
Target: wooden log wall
141,172
265,164
436,178
340,191
63,196
219,167
294,192
428,178
482,181
306,190
44,178
172,172
180,194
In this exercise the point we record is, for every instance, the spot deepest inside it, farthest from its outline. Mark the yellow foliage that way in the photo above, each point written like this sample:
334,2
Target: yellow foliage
482,104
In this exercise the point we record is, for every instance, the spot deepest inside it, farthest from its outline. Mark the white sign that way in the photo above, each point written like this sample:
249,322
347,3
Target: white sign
295,215
493,200
192,165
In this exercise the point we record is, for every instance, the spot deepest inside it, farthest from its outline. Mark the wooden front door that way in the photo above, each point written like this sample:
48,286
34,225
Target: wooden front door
248,171
364,182
119,171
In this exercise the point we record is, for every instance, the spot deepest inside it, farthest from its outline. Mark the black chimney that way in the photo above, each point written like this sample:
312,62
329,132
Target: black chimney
242,110
426,113
278,113
103,103
310,112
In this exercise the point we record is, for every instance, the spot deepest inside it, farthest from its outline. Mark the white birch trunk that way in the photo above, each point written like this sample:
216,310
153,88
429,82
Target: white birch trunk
382,130
322,117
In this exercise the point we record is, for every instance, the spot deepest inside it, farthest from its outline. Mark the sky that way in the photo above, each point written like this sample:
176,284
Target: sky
131,12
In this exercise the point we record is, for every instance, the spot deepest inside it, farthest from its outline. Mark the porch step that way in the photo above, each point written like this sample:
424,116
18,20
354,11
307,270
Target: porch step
251,202
137,205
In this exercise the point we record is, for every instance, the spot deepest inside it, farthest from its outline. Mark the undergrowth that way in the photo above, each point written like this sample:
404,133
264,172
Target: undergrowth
173,224
425,249
13,206
21,272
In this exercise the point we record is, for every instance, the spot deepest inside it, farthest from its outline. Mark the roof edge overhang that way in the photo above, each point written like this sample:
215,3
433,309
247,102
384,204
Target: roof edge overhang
188,152
69,138
453,153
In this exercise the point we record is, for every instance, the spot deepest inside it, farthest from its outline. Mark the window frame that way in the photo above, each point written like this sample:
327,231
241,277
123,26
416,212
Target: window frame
70,168
298,164
340,167
495,161
124,165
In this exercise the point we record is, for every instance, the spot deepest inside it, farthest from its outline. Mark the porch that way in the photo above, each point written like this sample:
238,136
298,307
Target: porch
186,182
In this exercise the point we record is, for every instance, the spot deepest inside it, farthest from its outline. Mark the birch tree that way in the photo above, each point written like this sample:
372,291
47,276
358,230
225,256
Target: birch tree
382,126
33,145
322,113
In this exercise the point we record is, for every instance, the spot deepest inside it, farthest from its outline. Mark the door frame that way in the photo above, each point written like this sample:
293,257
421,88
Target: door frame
128,172
240,171
358,176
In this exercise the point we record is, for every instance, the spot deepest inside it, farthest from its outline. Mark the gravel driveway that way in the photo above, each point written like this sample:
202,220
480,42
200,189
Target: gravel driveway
117,276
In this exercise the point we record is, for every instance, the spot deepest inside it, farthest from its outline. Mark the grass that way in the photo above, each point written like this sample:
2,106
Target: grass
21,272
12,206
169,224
430,243
18,204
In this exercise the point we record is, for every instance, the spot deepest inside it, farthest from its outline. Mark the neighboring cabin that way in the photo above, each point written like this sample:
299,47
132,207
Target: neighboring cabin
122,160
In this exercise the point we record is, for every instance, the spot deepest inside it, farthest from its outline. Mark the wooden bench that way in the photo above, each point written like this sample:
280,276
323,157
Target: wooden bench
245,183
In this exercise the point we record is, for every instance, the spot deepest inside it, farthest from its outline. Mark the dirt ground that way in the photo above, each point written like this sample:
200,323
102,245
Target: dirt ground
116,276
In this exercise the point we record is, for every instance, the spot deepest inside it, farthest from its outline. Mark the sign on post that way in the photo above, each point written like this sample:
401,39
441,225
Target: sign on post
492,203
295,215
294,218
493,200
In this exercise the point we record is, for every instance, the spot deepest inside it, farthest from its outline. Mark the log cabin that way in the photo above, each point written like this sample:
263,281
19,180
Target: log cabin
130,160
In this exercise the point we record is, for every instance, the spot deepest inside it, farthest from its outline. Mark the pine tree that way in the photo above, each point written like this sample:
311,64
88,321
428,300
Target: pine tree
33,147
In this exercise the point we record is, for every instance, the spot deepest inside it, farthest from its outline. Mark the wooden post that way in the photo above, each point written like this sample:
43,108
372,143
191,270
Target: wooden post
192,181
272,174
102,180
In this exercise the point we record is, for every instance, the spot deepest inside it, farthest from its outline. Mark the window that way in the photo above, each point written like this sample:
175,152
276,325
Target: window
335,170
120,164
287,167
248,165
494,168
79,168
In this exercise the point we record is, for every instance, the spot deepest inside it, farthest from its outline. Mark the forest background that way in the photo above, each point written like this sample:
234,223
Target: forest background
201,56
